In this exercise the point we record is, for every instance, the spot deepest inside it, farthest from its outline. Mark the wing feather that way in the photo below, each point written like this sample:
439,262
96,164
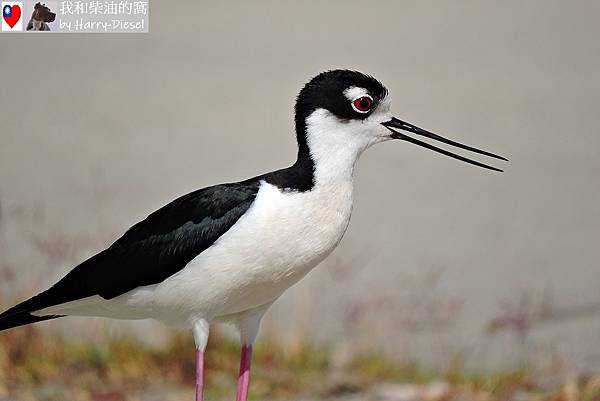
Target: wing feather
150,251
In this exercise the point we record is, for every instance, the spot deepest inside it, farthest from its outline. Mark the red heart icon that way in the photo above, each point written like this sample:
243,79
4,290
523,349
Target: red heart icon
14,17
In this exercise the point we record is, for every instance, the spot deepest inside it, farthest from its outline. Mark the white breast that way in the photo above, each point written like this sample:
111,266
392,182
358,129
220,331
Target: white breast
280,239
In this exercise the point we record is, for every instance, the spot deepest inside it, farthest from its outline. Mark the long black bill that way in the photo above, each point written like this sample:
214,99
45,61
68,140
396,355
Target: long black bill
399,124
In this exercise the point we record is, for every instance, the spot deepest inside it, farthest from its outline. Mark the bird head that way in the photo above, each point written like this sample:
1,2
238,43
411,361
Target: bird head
341,109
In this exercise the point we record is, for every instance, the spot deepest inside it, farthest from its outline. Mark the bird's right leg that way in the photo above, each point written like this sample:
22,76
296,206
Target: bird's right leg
200,329
248,323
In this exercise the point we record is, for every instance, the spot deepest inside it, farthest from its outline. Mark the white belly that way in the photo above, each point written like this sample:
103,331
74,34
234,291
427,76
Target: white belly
278,241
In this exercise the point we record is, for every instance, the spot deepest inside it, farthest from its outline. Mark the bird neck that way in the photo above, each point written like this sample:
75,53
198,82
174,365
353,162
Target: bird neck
331,147
327,153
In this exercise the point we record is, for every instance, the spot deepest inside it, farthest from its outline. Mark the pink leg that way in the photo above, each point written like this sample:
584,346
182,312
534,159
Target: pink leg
244,377
199,375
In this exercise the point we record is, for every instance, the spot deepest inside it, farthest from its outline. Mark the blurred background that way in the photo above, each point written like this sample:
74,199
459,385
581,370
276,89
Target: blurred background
443,264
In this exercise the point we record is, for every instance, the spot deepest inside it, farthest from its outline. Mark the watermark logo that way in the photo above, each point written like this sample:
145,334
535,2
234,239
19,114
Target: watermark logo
103,16
12,16
76,16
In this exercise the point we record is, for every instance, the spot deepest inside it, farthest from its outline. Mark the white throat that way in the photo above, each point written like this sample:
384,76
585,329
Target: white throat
335,146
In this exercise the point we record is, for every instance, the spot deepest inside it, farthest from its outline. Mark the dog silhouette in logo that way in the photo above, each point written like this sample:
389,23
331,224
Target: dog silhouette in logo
40,17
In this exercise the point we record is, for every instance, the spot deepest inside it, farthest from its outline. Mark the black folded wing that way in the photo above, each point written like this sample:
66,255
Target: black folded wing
149,252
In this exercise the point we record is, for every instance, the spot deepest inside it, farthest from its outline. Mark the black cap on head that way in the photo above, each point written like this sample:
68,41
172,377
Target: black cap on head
326,91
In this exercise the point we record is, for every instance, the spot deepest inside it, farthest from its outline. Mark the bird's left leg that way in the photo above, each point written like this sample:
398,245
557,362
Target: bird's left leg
200,329
249,324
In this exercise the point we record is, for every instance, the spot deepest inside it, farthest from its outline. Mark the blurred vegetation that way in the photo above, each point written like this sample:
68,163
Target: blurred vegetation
35,365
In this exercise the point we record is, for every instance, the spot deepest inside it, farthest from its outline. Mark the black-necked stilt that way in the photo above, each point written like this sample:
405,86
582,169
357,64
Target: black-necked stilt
227,252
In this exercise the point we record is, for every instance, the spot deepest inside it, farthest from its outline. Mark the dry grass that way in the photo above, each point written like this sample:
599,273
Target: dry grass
32,362
37,366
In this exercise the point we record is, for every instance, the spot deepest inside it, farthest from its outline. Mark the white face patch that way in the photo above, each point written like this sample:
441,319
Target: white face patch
336,144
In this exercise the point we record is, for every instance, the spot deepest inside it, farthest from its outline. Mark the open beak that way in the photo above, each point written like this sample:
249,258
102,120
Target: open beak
404,126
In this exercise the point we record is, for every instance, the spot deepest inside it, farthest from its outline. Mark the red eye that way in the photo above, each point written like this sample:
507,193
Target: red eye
362,104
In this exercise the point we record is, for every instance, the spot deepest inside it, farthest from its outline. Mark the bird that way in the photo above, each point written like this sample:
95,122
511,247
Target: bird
227,252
